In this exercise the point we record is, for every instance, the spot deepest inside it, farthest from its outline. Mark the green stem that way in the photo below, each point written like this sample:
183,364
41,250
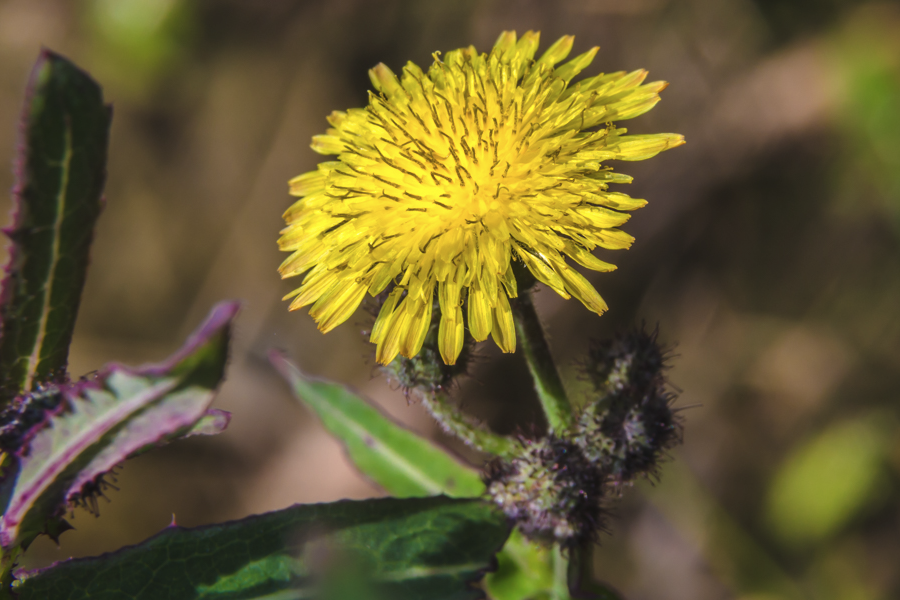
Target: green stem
581,575
547,382
560,589
455,422
8,560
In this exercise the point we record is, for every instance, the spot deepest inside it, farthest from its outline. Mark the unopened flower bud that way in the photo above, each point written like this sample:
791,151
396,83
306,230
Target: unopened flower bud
631,360
631,423
627,434
551,491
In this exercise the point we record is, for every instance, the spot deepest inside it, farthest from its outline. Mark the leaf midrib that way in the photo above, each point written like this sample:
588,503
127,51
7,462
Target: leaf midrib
61,197
390,576
430,485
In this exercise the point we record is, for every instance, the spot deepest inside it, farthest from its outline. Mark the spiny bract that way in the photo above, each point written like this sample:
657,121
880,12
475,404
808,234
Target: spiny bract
447,176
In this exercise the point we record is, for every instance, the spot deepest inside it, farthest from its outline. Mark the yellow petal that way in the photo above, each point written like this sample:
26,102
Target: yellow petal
314,285
558,51
505,43
450,335
480,321
305,184
389,348
582,289
509,282
385,315
584,258
543,273
336,306
419,324
641,147
576,65
504,330
384,80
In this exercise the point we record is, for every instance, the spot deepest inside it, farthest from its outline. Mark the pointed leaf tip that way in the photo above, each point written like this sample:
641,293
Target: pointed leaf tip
60,173
203,356
399,460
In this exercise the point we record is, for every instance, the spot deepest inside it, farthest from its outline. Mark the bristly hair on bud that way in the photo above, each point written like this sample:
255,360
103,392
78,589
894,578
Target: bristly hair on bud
550,490
633,359
630,424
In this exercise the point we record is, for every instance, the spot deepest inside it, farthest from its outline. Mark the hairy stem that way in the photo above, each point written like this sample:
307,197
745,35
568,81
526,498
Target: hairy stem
455,422
547,382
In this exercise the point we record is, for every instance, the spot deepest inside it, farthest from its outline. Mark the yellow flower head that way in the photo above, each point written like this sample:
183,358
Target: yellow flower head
449,175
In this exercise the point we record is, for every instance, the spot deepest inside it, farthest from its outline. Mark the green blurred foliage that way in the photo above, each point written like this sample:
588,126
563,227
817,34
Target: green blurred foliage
866,54
828,481
138,41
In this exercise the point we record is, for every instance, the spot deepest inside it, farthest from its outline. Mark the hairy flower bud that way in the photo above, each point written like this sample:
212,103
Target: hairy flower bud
551,490
631,360
631,423
627,434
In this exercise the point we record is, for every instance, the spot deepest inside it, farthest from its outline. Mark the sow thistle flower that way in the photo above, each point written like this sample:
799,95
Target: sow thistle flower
449,175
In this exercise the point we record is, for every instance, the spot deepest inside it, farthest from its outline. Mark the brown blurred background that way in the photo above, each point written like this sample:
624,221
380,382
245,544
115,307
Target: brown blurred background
770,252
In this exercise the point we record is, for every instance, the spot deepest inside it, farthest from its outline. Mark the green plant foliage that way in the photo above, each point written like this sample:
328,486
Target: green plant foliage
402,462
826,482
120,413
61,170
429,548
523,570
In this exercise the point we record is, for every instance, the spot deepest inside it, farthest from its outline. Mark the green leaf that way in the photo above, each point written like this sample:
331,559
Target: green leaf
60,172
101,422
402,462
827,481
429,548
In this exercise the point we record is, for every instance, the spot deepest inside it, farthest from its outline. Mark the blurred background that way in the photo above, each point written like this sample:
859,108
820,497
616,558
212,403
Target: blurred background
769,253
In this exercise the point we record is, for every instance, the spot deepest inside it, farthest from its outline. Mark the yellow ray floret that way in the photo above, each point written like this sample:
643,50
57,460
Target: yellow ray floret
449,175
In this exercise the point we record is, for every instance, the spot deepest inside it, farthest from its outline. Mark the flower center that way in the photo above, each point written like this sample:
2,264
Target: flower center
459,148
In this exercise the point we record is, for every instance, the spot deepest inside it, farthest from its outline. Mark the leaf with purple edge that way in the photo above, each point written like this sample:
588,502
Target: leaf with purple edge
116,415
60,173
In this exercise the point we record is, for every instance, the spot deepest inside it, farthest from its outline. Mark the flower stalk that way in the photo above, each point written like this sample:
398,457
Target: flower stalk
547,382
560,564
454,422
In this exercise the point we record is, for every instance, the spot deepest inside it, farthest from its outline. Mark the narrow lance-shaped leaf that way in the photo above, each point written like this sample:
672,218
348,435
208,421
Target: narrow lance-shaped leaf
387,549
60,172
101,422
402,462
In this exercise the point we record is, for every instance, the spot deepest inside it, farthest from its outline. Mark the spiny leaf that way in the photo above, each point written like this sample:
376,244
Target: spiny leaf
118,414
60,172
402,462
428,548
